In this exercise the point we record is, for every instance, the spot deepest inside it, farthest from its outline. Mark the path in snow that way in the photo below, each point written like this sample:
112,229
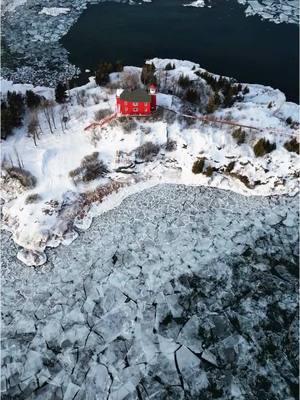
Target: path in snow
178,293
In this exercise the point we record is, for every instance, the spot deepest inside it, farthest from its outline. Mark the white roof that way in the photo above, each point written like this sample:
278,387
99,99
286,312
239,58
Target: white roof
119,92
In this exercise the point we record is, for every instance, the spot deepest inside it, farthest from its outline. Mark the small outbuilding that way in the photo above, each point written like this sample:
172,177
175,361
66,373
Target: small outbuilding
136,102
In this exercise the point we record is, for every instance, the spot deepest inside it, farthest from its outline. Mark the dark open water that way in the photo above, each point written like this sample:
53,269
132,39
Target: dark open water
220,38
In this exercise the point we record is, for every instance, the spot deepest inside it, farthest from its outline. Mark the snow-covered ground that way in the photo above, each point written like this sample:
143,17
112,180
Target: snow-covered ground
61,206
180,293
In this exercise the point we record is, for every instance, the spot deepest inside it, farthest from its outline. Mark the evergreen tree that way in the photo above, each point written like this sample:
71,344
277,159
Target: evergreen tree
211,105
119,66
184,81
191,95
217,99
16,106
6,121
12,112
169,67
33,100
60,92
102,73
148,74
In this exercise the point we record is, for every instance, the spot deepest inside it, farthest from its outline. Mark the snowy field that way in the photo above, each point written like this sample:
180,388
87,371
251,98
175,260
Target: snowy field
179,293
62,203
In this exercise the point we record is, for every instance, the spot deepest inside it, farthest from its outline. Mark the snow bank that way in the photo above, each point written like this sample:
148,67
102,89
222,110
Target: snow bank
54,11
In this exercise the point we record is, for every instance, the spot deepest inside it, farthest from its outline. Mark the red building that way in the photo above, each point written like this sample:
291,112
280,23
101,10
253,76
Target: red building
136,102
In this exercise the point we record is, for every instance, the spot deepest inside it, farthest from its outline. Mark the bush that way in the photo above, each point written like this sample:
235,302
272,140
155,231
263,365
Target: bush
33,100
171,145
198,166
289,121
128,125
239,135
100,114
26,179
230,166
191,95
246,90
147,150
90,169
263,147
209,171
244,179
184,81
292,146
33,198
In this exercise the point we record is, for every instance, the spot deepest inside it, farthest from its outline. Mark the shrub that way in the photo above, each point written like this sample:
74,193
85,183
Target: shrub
147,150
90,169
100,114
191,95
129,125
184,81
239,135
171,145
292,146
246,90
289,121
198,166
230,166
26,179
263,147
209,171
244,179
33,100
33,198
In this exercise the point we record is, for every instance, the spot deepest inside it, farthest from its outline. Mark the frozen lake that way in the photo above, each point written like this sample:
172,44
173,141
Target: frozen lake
221,39
179,293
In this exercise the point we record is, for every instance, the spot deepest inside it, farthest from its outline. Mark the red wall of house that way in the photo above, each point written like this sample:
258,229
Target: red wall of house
133,108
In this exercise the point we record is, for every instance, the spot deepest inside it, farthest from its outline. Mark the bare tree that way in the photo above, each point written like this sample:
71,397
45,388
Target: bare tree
51,111
63,117
81,98
20,162
66,110
33,126
46,110
130,80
